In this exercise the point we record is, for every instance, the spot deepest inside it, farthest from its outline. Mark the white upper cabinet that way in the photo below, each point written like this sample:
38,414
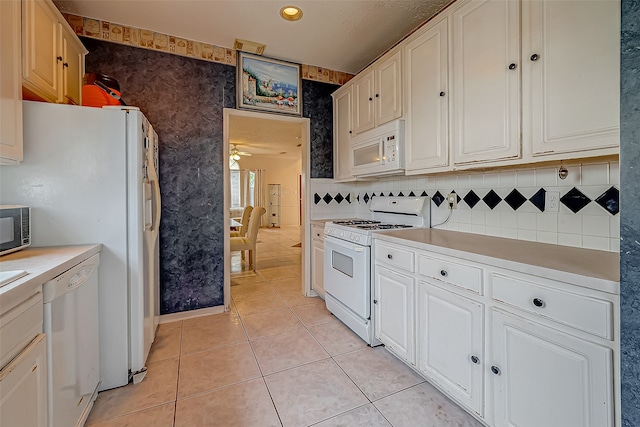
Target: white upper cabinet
377,93
485,81
72,68
571,75
427,98
342,131
10,87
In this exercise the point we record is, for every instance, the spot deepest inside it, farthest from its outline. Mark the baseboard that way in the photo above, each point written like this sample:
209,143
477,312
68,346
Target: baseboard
174,317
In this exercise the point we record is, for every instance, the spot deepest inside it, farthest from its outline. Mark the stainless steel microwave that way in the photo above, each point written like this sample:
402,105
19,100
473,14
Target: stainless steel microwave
15,228
379,151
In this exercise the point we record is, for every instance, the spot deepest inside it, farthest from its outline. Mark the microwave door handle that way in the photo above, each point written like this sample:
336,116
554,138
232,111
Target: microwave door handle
381,145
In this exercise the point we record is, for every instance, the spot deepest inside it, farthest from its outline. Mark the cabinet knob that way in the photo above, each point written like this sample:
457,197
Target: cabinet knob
475,359
375,301
441,93
444,273
59,58
370,99
377,95
389,256
538,302
495,370
535,57
350,132
65,64
512,66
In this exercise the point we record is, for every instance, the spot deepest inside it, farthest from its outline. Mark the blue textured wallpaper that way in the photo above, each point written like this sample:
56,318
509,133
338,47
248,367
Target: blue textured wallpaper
183,98
630,206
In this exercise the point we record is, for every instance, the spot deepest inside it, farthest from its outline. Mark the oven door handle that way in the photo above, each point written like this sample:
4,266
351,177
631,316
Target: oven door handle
343,244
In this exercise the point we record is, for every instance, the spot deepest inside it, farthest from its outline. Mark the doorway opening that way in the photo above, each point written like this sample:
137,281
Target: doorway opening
267,152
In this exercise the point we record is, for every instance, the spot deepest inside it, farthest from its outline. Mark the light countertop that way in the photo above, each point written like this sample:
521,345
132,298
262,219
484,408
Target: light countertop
42,264
594,269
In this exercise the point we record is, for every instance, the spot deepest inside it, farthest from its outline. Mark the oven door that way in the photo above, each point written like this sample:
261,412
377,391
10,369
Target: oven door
347,274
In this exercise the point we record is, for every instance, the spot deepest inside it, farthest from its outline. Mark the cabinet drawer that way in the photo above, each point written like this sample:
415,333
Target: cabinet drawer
19,326
585,313
317,232
464,276
395,257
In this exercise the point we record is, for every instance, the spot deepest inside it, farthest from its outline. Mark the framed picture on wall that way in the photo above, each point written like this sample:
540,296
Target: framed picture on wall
268,85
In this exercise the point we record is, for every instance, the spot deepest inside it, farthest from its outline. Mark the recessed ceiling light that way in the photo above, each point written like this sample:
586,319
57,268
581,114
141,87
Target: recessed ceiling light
291,13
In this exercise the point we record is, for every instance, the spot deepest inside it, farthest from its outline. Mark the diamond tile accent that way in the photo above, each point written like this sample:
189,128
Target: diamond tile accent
348,198
316,198
438,198
400,194
610,200
412,194
515,199
381,194
358,198
538,199
471,199
366,198
390,194
575,200
327,198
492,199
338,198
424,194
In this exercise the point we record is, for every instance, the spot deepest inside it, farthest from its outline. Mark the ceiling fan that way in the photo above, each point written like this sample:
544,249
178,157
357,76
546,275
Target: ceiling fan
235,153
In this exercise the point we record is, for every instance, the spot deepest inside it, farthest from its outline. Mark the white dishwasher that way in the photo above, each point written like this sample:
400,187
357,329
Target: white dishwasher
71,326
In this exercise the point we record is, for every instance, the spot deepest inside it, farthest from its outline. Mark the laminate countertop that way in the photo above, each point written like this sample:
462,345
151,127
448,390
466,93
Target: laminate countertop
589,268
42,264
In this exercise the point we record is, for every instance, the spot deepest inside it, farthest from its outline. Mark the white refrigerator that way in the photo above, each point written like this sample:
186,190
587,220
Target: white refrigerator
90,176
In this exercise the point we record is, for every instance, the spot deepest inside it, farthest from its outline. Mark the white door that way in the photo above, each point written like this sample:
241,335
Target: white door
427,118
342,110
544,377
363,104
486,81
10,83
393,306
317,261
571,75
388,89
450,343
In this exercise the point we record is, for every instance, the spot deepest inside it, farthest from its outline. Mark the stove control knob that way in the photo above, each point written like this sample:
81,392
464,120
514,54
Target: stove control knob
341,234
357,238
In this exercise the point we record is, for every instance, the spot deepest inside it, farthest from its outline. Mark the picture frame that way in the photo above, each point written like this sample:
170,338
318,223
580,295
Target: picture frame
268,85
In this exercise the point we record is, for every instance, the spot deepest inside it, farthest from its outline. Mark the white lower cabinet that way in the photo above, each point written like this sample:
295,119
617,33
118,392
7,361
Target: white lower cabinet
393,309
544,377
317,259
450,343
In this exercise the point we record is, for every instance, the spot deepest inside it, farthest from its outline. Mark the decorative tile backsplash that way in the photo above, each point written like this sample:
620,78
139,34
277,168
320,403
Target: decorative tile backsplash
507,203
109,31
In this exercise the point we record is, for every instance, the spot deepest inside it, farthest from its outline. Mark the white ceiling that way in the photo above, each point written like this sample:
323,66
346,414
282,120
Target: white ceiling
267,137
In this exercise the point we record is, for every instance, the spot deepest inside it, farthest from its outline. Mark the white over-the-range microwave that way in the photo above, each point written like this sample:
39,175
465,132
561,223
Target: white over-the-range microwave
379,151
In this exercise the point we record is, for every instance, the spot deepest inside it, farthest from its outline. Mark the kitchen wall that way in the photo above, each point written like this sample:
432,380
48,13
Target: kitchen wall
507,203
184,98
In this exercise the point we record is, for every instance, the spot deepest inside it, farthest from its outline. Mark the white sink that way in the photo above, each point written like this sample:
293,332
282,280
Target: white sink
7,277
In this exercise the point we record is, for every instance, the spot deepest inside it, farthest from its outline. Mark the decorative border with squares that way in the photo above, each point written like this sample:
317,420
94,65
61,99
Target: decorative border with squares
147,39
574,199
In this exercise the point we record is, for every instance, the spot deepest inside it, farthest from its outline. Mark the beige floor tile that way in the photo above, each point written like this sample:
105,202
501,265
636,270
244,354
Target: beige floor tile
165,345
259,303
295,297
377,372
220,367
160,416
169,325
312,393
277,261
313,314
250,289
243,280
291,284
158,387
270,323
214,334
208,320
423,402
283,351
277,273
336,338
246,404
364,416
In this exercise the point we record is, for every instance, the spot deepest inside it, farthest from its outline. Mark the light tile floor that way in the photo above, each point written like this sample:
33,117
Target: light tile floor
276,359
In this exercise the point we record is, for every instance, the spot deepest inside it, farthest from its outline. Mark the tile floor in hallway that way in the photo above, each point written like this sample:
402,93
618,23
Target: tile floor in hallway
276,359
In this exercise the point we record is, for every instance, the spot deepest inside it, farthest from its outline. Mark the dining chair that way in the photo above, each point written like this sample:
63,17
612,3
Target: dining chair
248,242
246,214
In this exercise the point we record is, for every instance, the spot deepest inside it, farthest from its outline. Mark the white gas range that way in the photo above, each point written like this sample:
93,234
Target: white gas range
347,258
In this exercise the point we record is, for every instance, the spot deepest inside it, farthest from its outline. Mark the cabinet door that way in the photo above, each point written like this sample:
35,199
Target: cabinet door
544,377
393,309
23,387
342,134
427,115
450,342
317,266
72,68
10,87
571,87
363,105
486,79
388,89
40,43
